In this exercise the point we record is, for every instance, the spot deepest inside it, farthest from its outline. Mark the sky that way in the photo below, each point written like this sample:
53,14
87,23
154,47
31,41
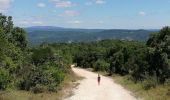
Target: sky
91,14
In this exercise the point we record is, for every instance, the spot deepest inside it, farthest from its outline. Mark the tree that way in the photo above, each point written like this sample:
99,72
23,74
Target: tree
117,63
101,65
19,38
41,55
159,54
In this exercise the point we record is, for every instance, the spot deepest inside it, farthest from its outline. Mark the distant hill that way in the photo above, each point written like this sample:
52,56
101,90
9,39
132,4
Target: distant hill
42,28
51,34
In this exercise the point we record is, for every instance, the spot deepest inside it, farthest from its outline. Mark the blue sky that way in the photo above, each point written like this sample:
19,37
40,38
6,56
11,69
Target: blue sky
115,14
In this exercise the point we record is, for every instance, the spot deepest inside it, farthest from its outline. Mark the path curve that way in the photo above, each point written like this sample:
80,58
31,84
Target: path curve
90,90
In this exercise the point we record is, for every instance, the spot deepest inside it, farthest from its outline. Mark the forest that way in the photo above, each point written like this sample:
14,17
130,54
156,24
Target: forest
49,34
44,68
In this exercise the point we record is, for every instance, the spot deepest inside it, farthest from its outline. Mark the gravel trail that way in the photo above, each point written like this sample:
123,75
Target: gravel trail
90,90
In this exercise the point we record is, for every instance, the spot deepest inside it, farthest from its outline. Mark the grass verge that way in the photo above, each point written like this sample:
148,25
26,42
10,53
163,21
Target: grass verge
160,92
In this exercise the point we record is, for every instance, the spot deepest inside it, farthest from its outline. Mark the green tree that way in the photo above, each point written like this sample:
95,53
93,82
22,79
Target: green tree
4,79
19,38
101,65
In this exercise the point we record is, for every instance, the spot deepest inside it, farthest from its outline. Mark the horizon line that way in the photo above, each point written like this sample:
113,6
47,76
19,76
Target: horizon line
95,28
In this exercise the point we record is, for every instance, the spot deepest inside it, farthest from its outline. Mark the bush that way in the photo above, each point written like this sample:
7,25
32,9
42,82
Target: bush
58,76
40,78
38,89
167,82
53,87
149,83
4,79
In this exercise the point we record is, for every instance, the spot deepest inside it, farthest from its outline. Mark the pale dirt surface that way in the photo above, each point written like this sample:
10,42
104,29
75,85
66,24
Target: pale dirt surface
90,90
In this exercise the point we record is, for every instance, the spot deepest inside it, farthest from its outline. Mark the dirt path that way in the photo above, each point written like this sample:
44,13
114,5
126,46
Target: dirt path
90,90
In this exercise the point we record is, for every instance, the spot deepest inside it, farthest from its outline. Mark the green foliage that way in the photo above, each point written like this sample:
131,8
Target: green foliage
49,74
101,65
159,54
149,83
38,89
41,55
117,63
39,69
10,54
138,64
4,79
44,75
19,38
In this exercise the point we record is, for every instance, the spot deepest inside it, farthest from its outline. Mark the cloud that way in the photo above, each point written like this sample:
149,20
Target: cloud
100,1
30,22
4,5
142,13
41,5
69,13
89,3
24,22
63,3
75,22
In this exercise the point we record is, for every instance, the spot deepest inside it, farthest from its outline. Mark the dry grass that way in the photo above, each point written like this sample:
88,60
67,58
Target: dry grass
161,92
23,95
69,85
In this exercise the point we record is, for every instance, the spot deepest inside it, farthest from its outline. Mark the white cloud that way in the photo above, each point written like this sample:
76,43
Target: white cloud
142,13
100,1
4,5
75,22
89,3
69,13
29,22
24,22
63,3
41,5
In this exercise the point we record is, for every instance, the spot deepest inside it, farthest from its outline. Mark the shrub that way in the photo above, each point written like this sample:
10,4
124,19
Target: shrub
40,78
58,76
4,79
149,83
52,87
38,89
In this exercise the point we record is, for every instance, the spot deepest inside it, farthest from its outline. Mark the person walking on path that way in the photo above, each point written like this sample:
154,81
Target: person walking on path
98,79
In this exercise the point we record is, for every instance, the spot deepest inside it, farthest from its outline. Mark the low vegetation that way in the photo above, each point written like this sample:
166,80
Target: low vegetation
160,92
